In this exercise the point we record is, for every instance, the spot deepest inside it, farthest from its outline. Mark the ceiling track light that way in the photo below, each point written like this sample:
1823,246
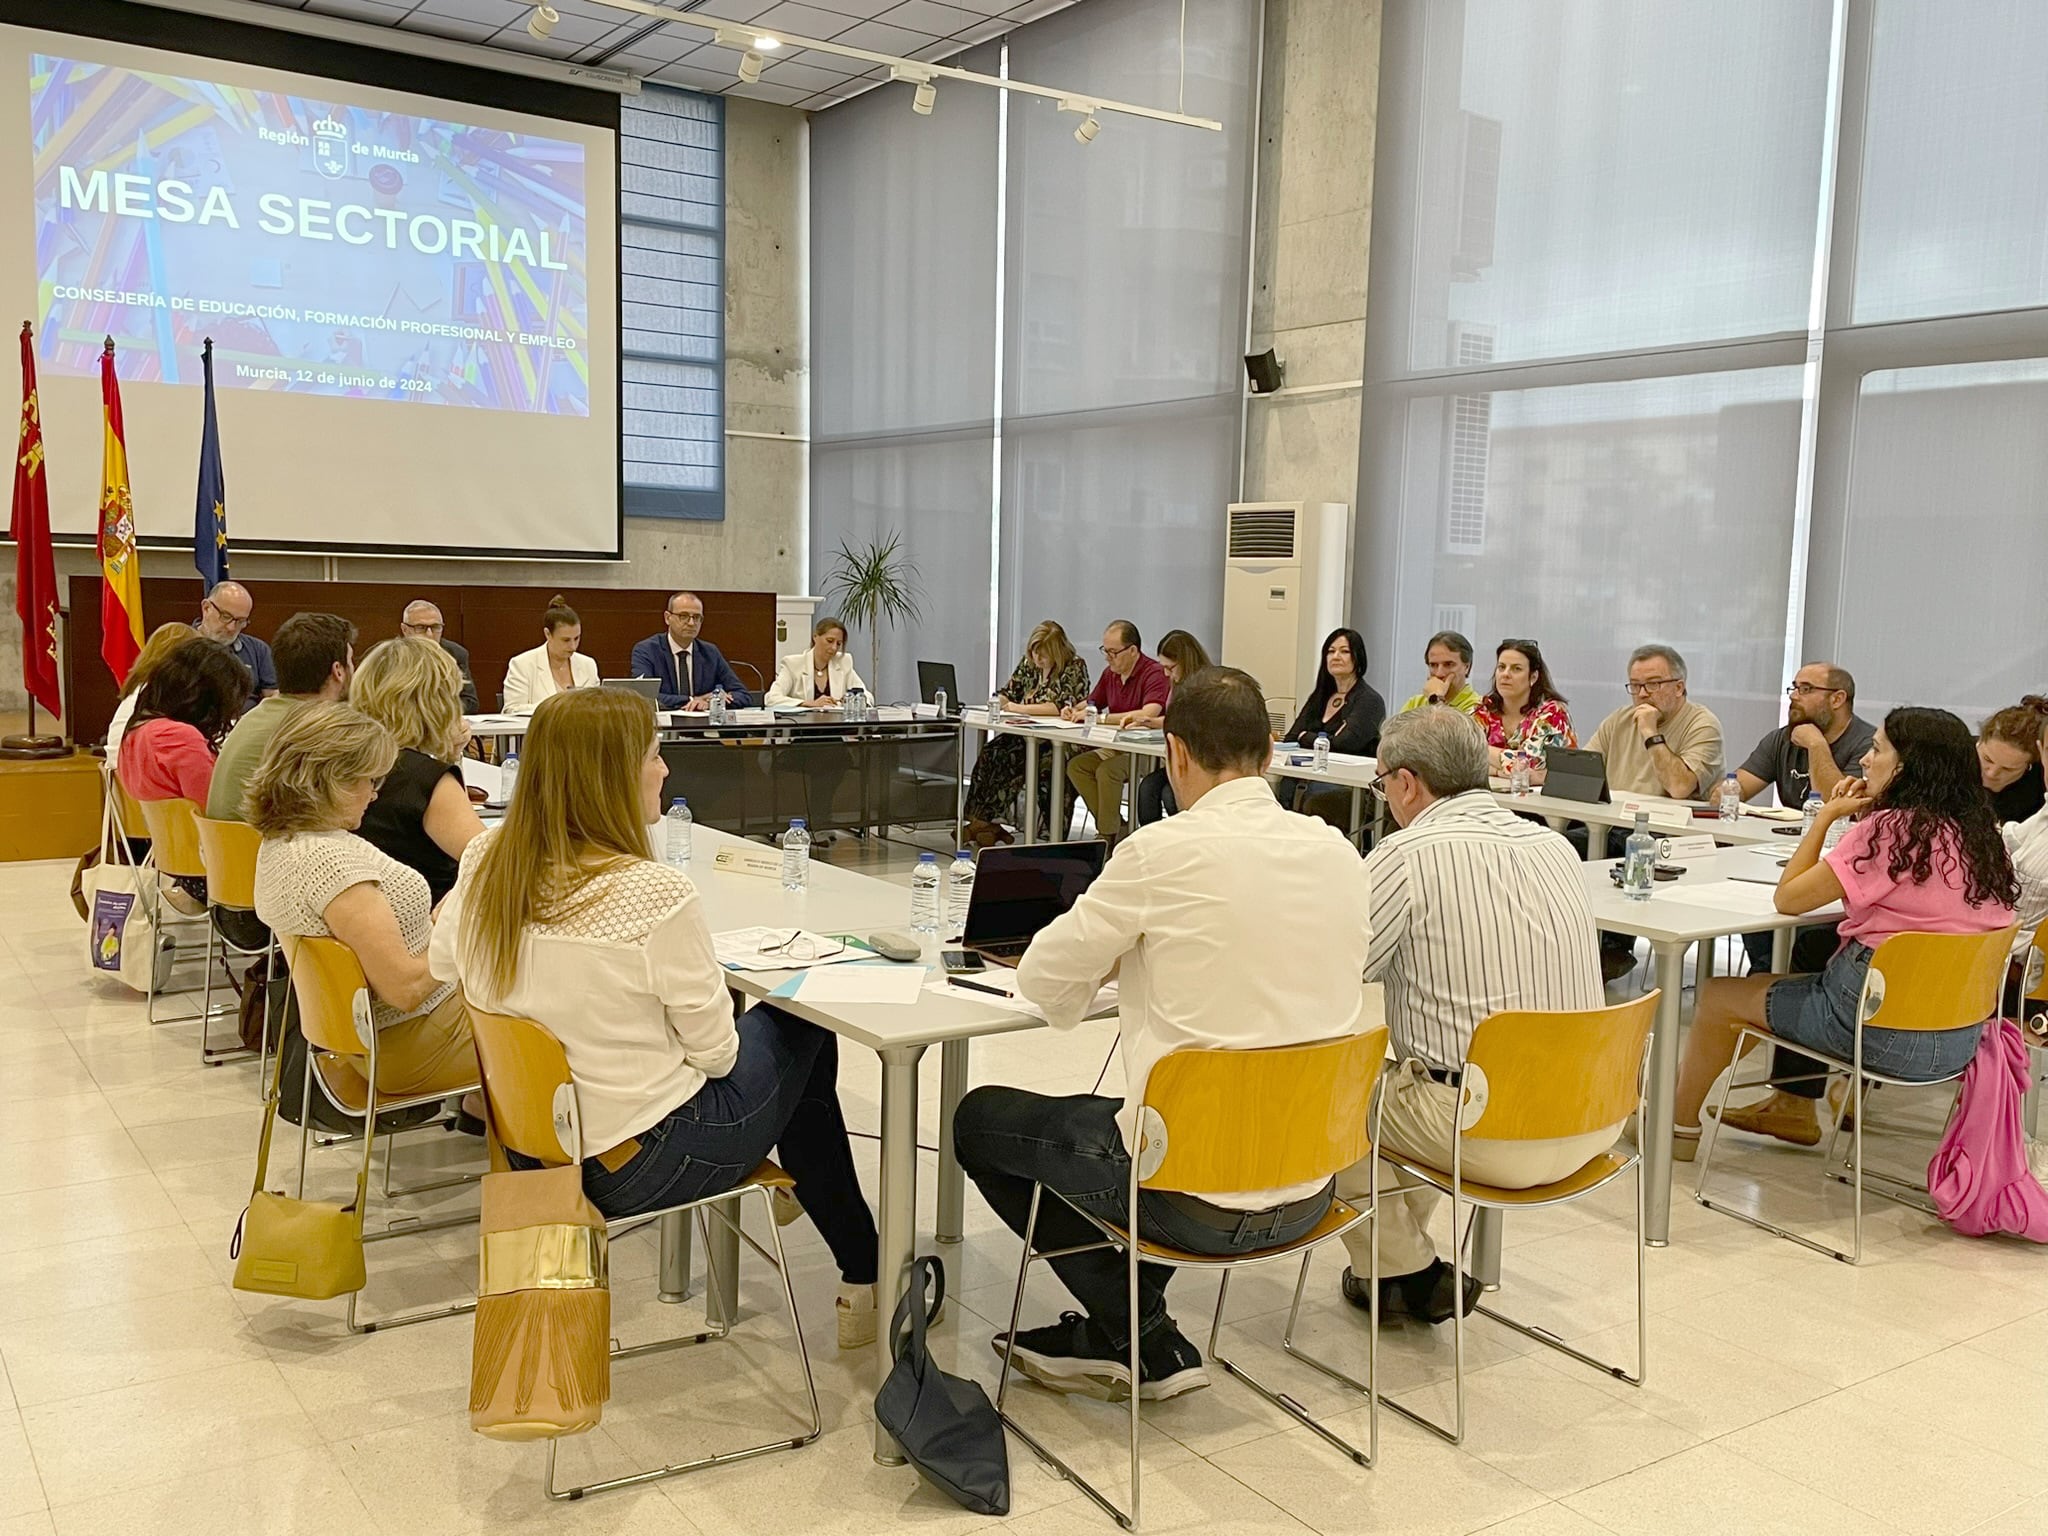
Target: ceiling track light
1091,125
750,46
541,24
926,95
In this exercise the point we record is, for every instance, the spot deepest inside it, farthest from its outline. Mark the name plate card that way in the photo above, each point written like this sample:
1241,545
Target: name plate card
766,862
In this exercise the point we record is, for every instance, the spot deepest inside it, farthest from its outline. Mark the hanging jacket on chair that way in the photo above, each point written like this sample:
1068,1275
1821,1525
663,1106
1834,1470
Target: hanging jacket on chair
1979,1176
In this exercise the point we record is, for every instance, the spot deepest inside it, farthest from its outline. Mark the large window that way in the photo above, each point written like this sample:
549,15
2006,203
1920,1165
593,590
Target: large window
672,299
1719,325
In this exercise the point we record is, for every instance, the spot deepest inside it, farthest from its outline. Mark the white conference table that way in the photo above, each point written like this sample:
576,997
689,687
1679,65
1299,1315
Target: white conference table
1693,908
845,901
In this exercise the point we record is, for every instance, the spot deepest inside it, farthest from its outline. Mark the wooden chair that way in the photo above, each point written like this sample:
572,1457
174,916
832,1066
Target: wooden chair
228,851
532,1103
341,1056
1916,981
1545,1075
1219,1121
2033,1004
174,852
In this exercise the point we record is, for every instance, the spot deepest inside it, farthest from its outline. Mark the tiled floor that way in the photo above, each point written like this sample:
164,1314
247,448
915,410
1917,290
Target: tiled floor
139,1393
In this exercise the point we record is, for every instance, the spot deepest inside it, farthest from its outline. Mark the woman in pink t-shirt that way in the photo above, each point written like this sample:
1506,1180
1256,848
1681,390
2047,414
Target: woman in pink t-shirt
1926,858
187,706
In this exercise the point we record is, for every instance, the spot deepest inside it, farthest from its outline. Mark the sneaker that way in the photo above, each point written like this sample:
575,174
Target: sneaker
1425,1294
1169,1365
1071,1355
857,1319
1783,1116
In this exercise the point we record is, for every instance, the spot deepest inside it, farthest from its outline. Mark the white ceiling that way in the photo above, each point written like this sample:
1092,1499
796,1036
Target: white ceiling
591,33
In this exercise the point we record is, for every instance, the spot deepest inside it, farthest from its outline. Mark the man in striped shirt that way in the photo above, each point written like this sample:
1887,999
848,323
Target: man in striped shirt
1474,910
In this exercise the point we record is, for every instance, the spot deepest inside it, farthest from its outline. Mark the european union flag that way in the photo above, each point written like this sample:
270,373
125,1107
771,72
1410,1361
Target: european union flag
210,520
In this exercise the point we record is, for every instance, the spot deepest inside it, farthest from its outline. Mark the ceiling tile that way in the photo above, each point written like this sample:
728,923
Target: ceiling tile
691,78
879,38
928,16
761,90
982,31
667,43
451,27
359,10
803,76
804,20
497,12
732,10
859,10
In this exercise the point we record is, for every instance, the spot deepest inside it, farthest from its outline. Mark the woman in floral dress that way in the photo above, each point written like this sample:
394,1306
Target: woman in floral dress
1051,676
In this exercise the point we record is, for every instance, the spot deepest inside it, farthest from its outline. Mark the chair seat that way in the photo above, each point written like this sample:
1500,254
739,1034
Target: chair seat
346,1087
1340,1215
1844,1066
1606,1166
769,1176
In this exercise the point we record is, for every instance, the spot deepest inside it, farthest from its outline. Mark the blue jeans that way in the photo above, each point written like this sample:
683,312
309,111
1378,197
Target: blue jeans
1820,1011
1812,948
1008,1139
781,1095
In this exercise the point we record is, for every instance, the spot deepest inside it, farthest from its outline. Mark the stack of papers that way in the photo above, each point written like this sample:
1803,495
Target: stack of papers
883,982
488,777
1001,992
784,949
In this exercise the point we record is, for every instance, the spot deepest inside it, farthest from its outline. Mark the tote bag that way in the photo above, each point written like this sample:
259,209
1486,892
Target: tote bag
122,937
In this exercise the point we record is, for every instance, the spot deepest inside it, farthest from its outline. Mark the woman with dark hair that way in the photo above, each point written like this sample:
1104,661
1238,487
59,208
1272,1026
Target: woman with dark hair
1182,656
2009,758
554,666
1925,856
1347,709
1522,712
167,752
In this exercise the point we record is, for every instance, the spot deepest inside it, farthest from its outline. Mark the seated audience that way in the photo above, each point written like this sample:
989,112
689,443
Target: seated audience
422,816
1050,677
1236,925
1475,909
1449,659
224,619
1132,691
561,915
553,666
1523,712
1925,856
2009,757
1347,709
2027,843
316,657
1181,656
181,716
315,878
690,669
424,619
163,640
819,677
1660,742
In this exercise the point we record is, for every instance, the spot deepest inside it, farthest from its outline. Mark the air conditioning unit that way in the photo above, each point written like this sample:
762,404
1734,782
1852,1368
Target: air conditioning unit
1286,584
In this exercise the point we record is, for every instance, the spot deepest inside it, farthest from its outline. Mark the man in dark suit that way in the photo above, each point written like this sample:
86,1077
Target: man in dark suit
690,669
423,618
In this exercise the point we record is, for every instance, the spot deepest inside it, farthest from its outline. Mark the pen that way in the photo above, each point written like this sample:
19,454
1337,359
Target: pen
976,986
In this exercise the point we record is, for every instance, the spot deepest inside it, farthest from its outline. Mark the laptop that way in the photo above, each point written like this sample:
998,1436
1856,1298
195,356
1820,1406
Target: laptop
1570,774
935,675
1018,891
649,688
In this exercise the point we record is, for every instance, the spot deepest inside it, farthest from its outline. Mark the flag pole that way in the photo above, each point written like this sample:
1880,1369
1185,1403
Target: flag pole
33,544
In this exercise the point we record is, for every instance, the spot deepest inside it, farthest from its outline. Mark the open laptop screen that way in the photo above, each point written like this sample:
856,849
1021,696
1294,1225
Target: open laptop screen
1017,891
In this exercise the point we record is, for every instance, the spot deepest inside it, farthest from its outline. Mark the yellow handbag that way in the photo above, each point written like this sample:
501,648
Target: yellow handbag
311,1249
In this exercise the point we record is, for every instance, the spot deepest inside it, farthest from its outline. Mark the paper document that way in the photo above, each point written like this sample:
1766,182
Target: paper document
1736,895
886,982
486,725
783,949
488,777
1001,985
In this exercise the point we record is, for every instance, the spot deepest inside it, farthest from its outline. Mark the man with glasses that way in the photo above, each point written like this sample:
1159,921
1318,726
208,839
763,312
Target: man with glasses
224,619
1660,742
1132,692
424,619
690,669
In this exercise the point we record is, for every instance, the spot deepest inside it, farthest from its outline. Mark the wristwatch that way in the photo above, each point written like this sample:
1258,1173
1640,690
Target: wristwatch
1652,741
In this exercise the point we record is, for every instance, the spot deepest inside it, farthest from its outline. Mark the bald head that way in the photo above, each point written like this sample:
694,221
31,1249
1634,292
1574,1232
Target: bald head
225,613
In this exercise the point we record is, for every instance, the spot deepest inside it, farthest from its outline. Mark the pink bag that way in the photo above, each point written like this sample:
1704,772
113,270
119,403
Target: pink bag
1979,1176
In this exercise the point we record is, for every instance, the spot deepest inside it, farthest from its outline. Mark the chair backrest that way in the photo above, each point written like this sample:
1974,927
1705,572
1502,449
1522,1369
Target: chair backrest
326,977
1261,1119
173,837
1558,1073
1929,981
2037,966
228,850
125,808
525,1073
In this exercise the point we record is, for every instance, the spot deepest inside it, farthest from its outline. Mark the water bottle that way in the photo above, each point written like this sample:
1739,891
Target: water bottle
675,840
1809,812
510,777
1731,798
959,891
939,701
1520,773
719,716
1322,756
1090,715
924,894
1639,860
796,856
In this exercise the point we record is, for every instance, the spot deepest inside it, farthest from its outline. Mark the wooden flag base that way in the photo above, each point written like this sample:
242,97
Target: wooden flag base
32,748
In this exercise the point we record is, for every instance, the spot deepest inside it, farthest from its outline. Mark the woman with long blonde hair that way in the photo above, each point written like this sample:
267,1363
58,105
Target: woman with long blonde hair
422,815
1050,676
561,915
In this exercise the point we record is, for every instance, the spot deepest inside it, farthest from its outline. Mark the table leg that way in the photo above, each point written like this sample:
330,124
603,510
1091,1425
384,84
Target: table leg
960,788
1030,790
1781,950
899,1211
1482,1263
674,1229
1357,813
1656,1128
722,1264
952,1183
1061,816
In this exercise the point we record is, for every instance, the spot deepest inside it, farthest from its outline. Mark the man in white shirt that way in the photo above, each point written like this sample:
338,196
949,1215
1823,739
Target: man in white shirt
1235,924
1474,910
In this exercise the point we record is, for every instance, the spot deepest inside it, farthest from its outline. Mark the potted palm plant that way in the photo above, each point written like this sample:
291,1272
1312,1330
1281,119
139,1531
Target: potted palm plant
873,583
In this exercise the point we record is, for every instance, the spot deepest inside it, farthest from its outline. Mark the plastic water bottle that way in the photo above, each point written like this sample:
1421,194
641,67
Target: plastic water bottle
796,856
1809,812
924,894
939,701
1090,715
959,891
509,777
1520,773
718,707
1731,798
1639,861
1322,757
675,840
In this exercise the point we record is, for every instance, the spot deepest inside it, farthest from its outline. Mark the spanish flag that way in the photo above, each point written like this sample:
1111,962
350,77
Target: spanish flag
120,561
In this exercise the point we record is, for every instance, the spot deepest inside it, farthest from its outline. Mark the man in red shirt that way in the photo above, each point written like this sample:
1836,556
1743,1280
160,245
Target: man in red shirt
1131,693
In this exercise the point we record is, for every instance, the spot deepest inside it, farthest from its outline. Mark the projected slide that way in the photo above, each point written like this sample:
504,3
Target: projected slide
327,248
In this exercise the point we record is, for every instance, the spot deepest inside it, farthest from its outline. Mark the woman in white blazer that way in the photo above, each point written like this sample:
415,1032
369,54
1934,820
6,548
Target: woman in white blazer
818,678
552,666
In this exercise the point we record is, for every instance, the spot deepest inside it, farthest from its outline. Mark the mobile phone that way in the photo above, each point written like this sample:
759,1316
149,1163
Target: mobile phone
1667,871
961,962
1789,831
